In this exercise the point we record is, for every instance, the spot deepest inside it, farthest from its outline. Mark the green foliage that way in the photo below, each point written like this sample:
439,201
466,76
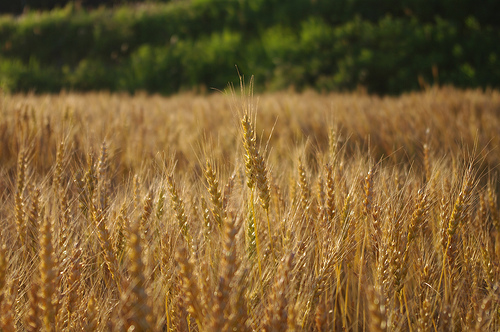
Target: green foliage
153,69
92,75
387,47
17,76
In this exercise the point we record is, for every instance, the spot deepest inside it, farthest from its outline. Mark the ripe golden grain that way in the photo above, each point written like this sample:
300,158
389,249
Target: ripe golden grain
90,241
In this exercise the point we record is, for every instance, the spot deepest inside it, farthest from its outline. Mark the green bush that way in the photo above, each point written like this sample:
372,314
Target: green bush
92,75
152,69
17,76
323,44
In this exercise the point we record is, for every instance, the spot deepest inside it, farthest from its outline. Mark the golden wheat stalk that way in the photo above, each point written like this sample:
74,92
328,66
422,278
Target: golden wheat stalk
276,313
178,206
91,321
73,287
110,256
330,194
101,199
58,171
7,319
22,162
3,271
377,310
146,228
48,274
215,193
190,288
417,220
139,312
32,320
256,176
33,224
221,308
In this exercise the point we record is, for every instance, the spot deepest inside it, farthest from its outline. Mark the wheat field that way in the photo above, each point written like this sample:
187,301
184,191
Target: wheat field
233,212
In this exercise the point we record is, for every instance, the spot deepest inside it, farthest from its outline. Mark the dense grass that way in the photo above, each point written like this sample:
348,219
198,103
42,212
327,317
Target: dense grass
233,212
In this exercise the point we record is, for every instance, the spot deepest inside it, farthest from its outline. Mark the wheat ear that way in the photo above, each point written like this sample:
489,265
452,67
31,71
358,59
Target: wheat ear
377,311
178,205
107,247
32,321
103,183
305,191
3,271
215,194
457,215
417,220
190,288
73,286
47,277
147,209
276,316
250,146
90,321
139,311
229,265
33,224
22,162
330,194
7,319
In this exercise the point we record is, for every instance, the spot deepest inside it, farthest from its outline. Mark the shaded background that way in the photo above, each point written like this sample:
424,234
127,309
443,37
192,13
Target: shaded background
384,47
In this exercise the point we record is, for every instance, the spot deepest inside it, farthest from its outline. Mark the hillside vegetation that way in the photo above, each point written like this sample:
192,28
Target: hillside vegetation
385,47
277,212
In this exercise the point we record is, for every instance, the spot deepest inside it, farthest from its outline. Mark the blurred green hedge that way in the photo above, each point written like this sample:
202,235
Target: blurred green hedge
384,46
